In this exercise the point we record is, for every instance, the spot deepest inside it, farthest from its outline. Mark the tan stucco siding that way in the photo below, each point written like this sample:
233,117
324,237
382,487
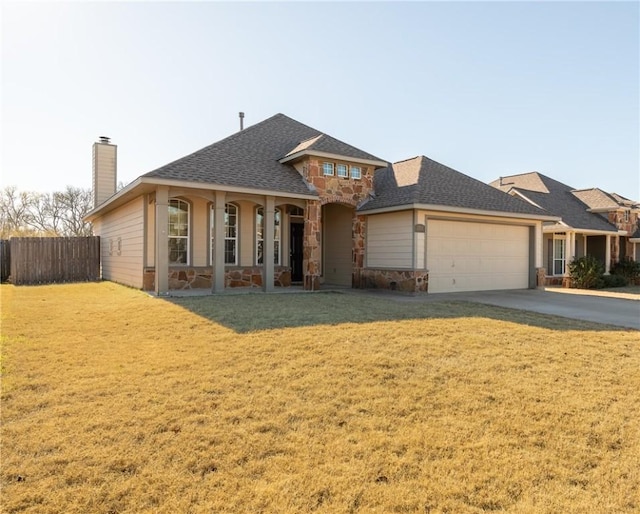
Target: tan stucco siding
104,172
337,244
389,240
246,233
199,231
122,243
150,235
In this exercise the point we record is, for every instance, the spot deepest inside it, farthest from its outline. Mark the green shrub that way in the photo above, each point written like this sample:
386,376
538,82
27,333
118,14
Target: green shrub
586,272
627,268
614,281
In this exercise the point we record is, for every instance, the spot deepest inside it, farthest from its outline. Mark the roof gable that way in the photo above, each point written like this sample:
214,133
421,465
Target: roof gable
424,181
527,181
324,144
556,198
251,158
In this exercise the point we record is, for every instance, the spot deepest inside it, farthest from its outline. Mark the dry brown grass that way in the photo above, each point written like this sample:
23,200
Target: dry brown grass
113,401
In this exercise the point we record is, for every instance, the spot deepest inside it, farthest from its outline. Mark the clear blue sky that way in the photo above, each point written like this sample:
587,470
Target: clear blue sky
488,88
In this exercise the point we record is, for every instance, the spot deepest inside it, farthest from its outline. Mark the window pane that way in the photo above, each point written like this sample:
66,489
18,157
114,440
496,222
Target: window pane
178,250
178,231
259,252
230,251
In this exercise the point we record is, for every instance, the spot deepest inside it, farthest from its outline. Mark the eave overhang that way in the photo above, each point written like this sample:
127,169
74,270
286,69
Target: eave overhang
459,210
562,227
144,185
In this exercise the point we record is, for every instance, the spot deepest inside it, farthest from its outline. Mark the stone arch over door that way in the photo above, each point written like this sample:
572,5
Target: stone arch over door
337,243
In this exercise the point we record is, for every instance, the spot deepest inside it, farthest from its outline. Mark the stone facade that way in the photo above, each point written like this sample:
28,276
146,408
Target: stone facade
202,277
630,226
541,276
409,281
331,189
311,251
359,232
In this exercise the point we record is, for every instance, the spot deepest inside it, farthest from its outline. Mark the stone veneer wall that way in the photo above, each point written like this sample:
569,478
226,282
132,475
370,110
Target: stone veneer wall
346,191
311,245
617,219
202,277
359,231
410,281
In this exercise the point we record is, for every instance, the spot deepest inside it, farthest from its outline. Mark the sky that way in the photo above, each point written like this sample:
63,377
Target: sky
487,88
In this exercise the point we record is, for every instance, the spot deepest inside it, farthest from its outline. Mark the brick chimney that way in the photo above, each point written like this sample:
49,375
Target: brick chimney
104,170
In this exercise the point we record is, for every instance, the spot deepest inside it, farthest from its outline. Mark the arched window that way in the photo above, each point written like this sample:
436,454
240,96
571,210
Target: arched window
260,236
178,232
230,233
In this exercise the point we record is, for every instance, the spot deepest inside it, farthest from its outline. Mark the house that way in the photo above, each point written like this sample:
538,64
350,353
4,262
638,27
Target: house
281,203
592,222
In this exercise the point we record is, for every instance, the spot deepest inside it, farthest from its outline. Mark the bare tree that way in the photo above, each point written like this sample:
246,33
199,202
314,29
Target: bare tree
44,214
76,204
14,211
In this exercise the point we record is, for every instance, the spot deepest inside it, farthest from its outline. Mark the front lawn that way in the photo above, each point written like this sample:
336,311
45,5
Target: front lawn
113,401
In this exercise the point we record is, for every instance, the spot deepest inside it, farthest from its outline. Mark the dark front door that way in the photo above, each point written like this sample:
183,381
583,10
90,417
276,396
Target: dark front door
297,233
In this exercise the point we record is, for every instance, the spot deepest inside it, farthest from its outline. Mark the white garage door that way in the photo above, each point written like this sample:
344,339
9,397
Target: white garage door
466,256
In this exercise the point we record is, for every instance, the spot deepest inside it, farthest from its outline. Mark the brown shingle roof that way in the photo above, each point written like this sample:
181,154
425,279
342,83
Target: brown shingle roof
250,158
557,198
596,198
423,181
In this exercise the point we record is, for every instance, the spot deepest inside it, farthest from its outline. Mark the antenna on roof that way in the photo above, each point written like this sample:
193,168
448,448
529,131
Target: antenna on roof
241,114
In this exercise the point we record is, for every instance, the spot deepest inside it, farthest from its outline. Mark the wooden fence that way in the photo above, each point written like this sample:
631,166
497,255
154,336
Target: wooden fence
5,259
46,260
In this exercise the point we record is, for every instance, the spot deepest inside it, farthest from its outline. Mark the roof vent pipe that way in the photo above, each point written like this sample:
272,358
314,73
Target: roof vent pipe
241,114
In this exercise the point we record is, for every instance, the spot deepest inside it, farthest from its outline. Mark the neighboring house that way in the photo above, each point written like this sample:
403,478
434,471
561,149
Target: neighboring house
592,222
320,210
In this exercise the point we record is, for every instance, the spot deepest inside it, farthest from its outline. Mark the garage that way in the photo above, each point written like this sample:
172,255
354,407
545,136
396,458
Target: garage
475,256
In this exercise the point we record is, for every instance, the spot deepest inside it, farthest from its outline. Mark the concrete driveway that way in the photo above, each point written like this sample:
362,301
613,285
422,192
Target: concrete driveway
619,311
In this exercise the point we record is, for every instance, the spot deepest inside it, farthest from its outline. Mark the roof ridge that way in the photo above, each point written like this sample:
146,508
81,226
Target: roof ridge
228,138
407,160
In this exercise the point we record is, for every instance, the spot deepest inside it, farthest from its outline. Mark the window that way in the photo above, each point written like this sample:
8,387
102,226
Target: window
260,236
178,232
343,170
327,168
625,216
356,172
559,255
230,233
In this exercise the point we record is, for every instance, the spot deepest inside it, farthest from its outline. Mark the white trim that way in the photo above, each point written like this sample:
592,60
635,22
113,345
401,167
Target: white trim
565,228
187,237
460,210
277,241
147,184
337,157
563,259
514,192
212,234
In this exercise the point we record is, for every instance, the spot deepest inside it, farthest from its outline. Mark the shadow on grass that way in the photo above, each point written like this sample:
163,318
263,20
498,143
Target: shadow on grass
253,312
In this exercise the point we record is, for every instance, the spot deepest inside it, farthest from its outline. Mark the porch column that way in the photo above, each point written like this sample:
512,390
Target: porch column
584,237
538,245
607,255
218,241
570,250
268,274
162,241
311,245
